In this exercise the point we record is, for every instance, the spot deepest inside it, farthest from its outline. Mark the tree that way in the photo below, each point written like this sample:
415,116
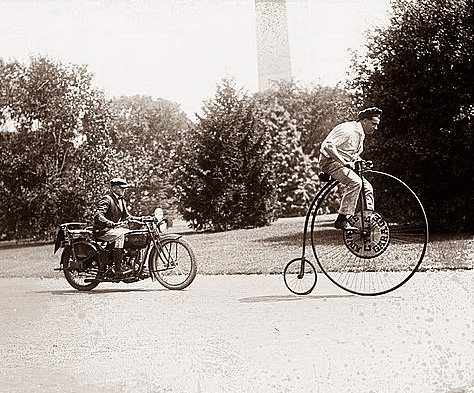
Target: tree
225,180
295,175
147,134
419,71
55,136
298,119
314,109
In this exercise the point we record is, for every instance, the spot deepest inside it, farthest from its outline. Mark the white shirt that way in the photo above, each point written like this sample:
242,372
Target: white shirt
347,138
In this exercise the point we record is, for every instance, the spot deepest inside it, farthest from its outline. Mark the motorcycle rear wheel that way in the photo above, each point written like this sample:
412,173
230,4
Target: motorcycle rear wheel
76,278
174,266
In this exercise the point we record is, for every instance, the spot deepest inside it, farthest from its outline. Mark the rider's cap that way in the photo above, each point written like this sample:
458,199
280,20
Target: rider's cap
119,181
368,113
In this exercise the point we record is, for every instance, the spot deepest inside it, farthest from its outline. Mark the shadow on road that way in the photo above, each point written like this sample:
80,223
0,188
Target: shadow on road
288,298
100,291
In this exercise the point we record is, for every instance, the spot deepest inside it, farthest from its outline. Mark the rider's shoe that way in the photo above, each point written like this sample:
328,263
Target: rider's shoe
119,270
344,225
144,275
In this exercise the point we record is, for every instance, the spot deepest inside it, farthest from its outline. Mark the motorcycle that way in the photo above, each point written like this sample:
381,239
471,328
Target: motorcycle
149,252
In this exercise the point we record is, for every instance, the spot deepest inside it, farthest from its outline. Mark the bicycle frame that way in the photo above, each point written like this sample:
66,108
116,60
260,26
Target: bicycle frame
320,195
392,239
359,168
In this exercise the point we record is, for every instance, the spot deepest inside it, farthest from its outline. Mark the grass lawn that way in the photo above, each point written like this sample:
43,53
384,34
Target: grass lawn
247,251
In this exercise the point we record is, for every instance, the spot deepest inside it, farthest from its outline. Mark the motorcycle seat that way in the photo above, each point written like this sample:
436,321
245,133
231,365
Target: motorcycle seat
80,233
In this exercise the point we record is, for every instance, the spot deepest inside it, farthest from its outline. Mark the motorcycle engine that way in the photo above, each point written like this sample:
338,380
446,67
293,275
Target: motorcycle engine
131,258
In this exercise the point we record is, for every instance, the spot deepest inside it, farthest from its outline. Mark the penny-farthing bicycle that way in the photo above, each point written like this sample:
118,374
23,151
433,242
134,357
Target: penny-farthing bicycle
380,255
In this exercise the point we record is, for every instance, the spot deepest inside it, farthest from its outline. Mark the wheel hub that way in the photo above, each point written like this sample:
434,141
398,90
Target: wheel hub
371,241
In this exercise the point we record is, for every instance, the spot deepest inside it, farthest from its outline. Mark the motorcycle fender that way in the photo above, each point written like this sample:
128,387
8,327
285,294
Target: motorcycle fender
83,251
72,263
59,239
170,236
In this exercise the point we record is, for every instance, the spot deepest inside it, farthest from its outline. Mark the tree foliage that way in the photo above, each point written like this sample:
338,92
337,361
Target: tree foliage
315,110
265,133
54,145
295,173
298,118
419,71
225,180
146,139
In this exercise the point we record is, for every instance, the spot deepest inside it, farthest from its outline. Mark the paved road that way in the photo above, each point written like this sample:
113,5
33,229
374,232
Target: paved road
237,334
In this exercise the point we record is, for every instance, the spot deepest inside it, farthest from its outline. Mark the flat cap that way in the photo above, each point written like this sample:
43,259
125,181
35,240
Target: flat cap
119,181
368,113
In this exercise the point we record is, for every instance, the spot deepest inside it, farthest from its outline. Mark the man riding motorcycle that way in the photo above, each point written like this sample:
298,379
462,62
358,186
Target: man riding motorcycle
111,212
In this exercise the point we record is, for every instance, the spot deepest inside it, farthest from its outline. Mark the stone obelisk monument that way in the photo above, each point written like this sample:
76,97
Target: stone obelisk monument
273,48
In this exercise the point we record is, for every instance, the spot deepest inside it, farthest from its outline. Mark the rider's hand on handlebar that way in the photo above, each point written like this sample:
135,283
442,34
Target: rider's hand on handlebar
363,163
119,224
366,164
111,224
369,164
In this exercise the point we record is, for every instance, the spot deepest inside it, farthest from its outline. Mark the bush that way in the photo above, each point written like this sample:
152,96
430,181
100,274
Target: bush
225,180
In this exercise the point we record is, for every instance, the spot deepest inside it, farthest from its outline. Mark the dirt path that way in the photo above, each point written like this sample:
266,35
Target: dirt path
237,334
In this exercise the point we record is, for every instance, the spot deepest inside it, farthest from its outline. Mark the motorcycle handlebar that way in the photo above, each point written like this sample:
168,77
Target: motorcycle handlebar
141,221
126,222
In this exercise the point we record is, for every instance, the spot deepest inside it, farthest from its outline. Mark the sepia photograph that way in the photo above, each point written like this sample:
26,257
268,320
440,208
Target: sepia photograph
236,196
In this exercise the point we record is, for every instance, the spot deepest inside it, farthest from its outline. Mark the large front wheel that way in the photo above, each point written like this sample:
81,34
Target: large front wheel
387,245
174,265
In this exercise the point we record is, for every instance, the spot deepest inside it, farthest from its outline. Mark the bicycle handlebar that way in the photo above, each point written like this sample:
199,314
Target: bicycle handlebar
361,164
365,164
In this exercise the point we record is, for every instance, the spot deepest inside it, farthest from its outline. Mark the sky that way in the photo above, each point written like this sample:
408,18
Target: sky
180,50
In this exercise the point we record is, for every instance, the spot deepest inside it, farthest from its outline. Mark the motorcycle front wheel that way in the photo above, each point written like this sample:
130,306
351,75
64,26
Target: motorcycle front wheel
174,265
78,279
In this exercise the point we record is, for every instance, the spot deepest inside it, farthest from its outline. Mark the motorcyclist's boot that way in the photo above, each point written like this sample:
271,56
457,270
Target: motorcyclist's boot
118,256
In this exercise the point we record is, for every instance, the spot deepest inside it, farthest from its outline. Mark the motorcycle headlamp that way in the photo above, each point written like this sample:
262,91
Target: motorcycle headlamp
159,218
158,214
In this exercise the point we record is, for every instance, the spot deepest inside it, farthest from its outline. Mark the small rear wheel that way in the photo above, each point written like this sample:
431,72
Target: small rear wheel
300,276
174,265
77,277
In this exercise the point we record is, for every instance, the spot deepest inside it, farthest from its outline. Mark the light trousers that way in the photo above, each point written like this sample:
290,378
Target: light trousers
116,235
352,184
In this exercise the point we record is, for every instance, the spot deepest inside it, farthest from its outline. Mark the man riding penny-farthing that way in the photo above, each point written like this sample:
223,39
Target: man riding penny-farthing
368,229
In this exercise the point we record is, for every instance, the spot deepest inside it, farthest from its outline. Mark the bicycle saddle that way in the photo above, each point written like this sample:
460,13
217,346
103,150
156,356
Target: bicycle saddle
324,177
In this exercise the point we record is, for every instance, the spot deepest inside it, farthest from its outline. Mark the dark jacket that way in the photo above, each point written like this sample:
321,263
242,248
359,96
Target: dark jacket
108,213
